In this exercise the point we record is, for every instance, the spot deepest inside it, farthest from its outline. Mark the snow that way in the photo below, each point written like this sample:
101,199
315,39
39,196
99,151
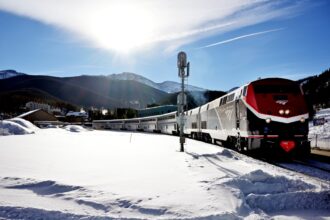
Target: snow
28,113
5,74
16,126
323,113
24,123
166,86
51,126
320,134
74,128
59,174
77,114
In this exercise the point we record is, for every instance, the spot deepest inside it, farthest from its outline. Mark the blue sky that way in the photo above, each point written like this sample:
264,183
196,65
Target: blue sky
228,43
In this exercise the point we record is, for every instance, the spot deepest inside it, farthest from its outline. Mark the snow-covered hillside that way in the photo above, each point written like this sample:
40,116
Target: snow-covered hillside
172,87
167,86
59,174
320,134
4,74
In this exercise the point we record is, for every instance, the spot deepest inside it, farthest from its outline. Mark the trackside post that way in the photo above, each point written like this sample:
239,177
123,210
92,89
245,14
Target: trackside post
182,65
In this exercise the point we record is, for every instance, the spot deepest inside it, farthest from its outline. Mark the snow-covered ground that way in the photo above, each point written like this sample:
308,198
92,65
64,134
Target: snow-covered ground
74,173
320,134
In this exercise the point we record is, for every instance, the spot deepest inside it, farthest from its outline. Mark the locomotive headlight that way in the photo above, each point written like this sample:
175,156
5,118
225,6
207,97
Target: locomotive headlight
281,111
287,112
302,120
268,120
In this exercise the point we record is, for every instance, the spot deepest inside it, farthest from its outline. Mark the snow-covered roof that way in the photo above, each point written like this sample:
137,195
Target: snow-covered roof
76,114
28,113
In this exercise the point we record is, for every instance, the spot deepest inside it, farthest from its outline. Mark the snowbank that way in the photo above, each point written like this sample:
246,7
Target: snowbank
51,126
8,127
323,113
277,193
24,123
56,174
75,128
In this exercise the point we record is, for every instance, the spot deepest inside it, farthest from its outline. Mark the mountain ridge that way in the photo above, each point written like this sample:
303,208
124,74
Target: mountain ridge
5,74
166,86
87,91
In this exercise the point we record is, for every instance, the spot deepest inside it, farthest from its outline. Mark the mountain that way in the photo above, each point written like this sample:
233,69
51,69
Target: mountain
172,87
167,86
14,101
5,74
317,90
125,90
86,91
132,77
194,98
232,89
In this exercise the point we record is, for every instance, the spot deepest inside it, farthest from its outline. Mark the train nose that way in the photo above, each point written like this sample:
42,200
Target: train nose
287,145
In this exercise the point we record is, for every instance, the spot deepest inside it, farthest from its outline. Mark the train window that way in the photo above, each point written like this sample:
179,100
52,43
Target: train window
224,101
194,125
220,103
207,108
280,97
203,124
190,112
166,127
174,126
244,90
231,97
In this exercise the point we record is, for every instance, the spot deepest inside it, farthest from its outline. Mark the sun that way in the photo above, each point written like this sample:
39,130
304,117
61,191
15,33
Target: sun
122,28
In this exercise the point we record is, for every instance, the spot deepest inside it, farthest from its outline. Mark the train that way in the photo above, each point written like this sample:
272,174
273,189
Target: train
268,115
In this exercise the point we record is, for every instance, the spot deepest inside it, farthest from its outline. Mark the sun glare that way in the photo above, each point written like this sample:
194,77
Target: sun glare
122,28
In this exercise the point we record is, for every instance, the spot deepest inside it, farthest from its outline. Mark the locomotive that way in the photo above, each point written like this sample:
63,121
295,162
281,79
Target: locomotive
269,115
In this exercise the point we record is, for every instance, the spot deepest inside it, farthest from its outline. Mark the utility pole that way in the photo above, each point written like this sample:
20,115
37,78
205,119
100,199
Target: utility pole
182,99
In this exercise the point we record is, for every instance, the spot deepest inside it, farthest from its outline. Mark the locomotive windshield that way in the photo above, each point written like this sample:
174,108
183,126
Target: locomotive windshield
293,89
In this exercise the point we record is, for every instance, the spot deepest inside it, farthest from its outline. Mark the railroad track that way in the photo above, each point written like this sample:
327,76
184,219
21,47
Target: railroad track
314,167
314,164
308,168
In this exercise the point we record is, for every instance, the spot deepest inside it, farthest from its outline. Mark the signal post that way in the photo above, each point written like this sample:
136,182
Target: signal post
182,99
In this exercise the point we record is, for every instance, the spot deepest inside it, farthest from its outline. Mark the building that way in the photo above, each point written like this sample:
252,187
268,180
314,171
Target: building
76,117
48,108
38,115
158,110
36,105
77,114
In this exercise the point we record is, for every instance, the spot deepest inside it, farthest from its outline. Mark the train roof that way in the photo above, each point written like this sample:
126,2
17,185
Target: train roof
273,79
133,119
